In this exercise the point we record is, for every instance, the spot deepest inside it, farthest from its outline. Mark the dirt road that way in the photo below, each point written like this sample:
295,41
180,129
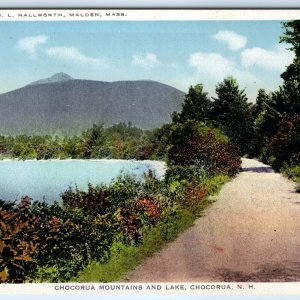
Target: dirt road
251,233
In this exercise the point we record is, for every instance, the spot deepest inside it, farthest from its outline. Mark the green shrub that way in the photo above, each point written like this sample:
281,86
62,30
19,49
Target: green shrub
292,172
93,202
215,183
191,173
193,143
284,146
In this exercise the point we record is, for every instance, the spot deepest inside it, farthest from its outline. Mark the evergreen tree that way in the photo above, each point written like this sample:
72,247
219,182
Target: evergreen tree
264,121
231,113
261,101
196,106
287,99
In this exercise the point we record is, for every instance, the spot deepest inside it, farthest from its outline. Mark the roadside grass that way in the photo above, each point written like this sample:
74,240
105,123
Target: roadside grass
294,174
125,258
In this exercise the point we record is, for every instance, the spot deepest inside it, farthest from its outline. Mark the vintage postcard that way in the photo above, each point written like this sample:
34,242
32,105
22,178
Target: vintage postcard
150,151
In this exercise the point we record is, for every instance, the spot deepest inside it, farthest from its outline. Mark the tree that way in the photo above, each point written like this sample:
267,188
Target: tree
231,113
284,146
260,105
280,118
195,144
263,120
291,35
288,97
92,140
196,105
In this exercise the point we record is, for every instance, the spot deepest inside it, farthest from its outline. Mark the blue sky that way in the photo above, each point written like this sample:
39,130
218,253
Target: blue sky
178,53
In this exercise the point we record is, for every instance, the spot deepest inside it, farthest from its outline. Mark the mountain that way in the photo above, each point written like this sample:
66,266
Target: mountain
61,104
58,77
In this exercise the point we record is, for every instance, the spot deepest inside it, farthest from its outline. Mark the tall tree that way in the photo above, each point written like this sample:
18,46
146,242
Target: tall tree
231,112
291,36
287,99
261,101
264,121
196,106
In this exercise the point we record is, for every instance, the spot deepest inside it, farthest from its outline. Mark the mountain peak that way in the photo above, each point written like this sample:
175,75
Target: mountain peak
61,76
56,78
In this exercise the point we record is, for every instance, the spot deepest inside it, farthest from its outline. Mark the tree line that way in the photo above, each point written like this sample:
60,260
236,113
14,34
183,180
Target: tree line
120,141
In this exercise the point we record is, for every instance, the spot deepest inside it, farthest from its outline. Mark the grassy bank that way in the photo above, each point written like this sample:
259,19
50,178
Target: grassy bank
293,172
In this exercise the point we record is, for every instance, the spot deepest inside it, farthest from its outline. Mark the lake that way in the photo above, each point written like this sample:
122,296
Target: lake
46,179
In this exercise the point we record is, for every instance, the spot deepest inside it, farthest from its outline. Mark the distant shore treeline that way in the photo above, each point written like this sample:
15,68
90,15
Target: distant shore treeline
120,141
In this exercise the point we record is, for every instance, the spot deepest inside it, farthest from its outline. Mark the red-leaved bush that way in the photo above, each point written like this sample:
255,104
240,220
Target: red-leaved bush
193,143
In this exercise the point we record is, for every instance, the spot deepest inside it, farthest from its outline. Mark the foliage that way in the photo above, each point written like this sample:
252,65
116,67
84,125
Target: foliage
92,202
156,142
291,76
276,116
196,106
124,258
135,205
291,35
264,122
193,143
120,141
231,113
36,238
190,173
284,103
17,243
284,146
287,99
292,172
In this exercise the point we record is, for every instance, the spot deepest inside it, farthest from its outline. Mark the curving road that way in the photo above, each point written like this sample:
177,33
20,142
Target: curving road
252,233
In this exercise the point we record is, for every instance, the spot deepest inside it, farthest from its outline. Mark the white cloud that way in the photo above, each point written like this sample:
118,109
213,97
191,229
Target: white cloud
276,59
30,43
233,40
212,68
147,60
217,67
213,65
73,54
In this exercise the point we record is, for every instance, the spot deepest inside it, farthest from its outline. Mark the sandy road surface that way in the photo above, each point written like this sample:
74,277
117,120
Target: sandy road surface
252,233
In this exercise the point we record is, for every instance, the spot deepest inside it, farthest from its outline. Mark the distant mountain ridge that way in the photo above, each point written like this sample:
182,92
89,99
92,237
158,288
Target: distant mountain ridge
61,104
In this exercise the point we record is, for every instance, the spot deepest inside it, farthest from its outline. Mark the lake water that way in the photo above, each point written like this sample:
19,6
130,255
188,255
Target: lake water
46,180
